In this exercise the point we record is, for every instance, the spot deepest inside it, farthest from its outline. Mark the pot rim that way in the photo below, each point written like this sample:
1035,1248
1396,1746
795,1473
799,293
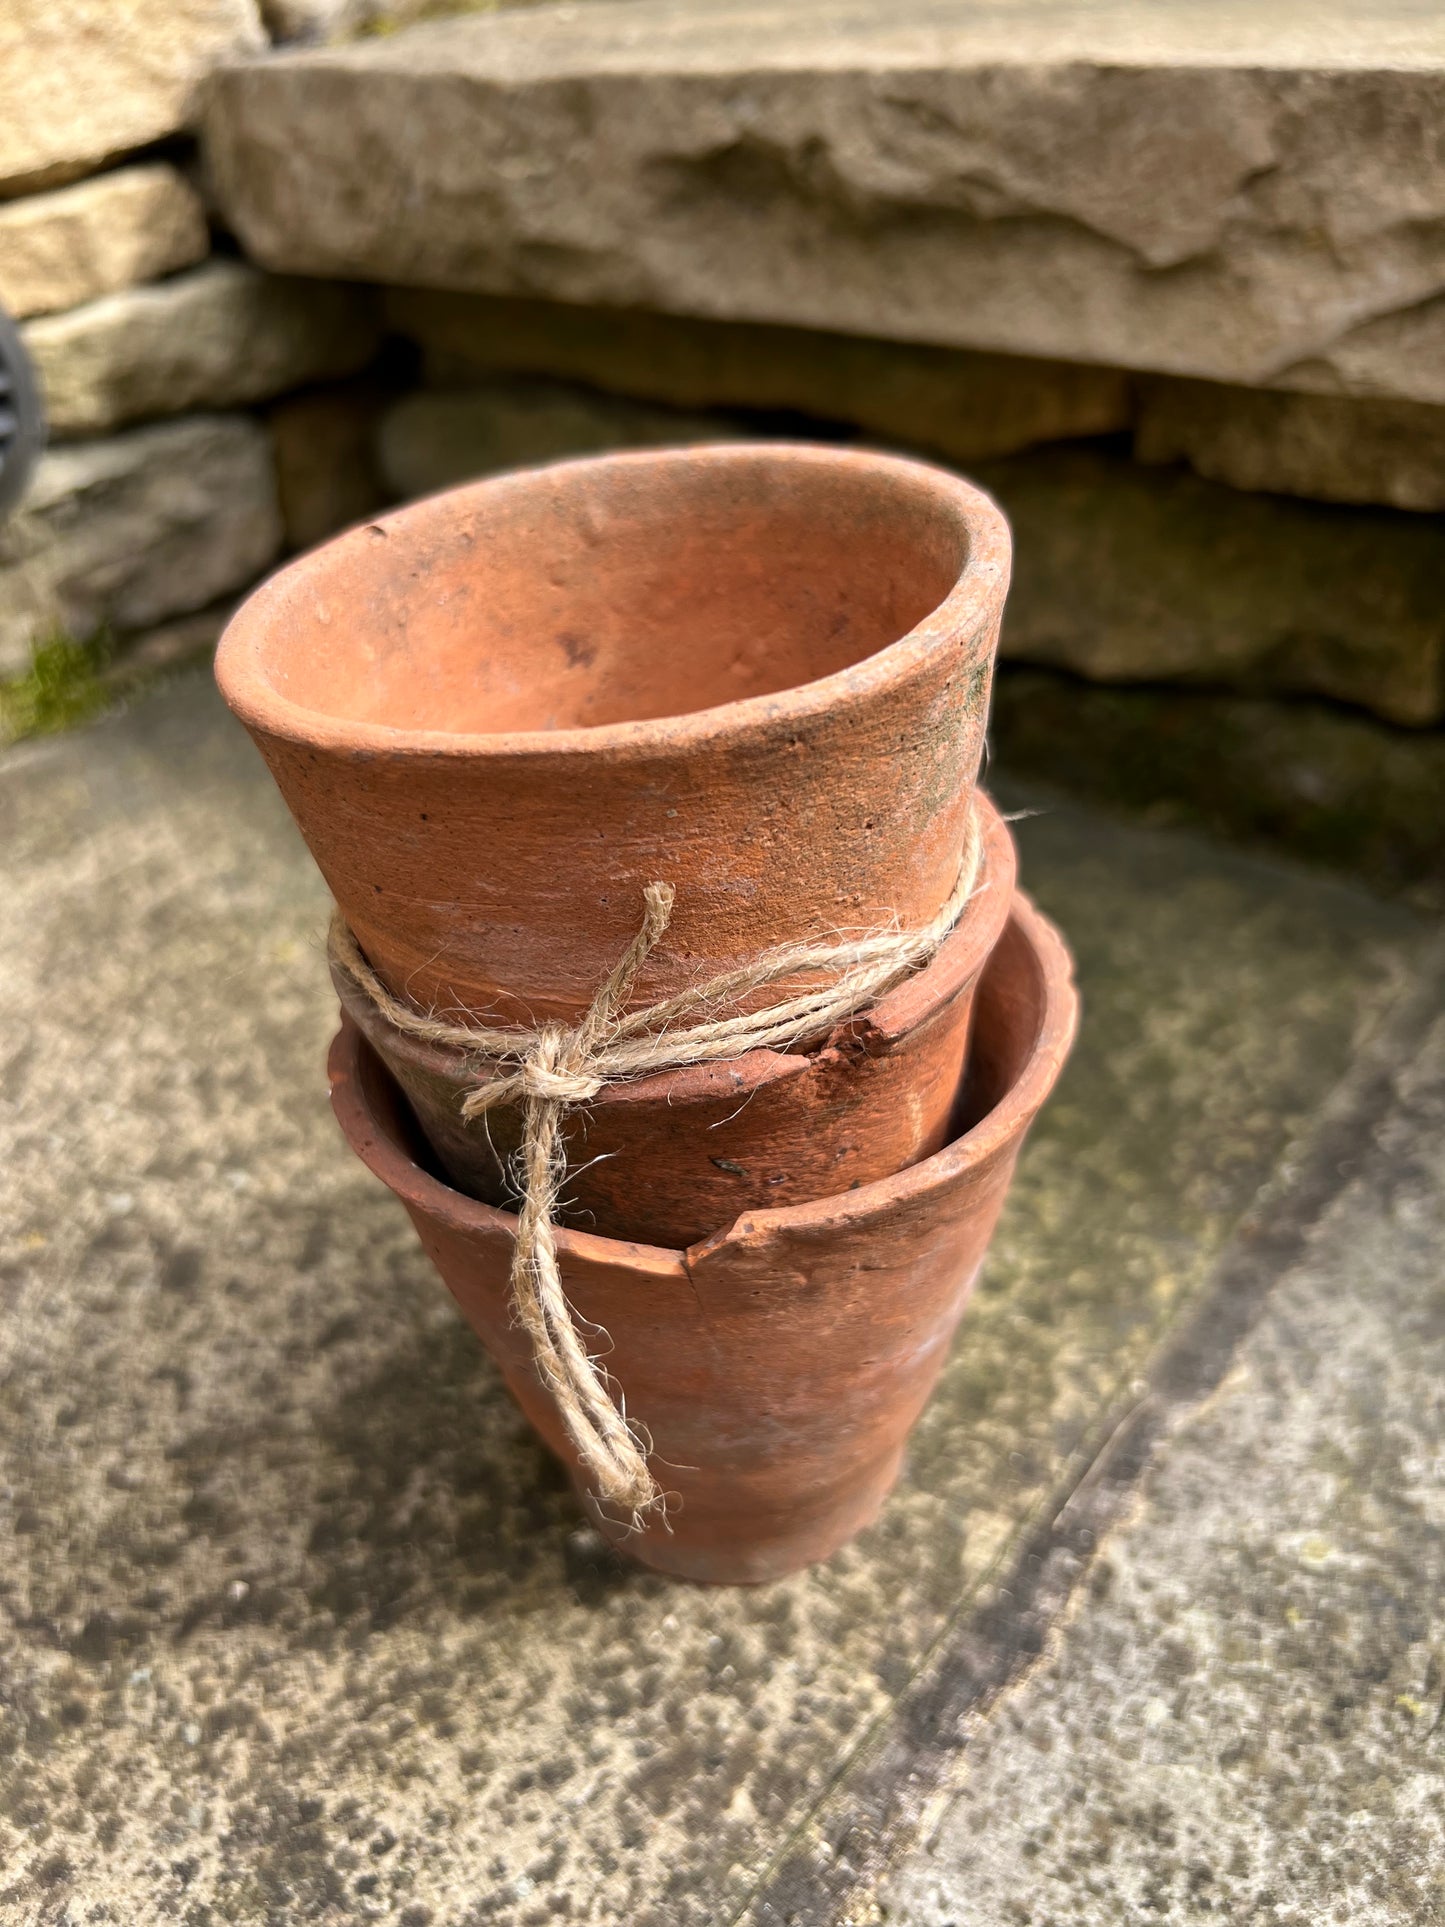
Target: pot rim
419,1190
976,593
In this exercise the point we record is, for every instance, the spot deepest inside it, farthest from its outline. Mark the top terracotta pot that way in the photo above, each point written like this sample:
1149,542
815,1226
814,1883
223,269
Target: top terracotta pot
759,673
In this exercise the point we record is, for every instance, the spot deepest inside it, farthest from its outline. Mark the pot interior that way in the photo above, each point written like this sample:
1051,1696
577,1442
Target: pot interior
1009,1014
613,591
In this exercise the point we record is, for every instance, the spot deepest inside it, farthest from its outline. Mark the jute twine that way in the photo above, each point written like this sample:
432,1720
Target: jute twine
554,1068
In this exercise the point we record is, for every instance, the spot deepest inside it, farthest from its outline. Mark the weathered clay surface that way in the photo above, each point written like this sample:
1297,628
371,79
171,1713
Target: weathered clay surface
219,336
129,531
77,243
434,439
1334,448
759,673
962,405
1127,574
673,1158
778,1369
93,78
1236,192
1242,1721
298,1616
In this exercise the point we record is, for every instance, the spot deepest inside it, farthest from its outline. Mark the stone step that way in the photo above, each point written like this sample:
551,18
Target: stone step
1242,194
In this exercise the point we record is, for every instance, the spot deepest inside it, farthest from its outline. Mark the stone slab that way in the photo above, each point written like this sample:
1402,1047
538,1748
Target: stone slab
1127,574
326,470
126,532
218,337
436,438
965,406
182,643
1242,1721
77,243
86,80
1226,191
1312,779
297,1619
1332,448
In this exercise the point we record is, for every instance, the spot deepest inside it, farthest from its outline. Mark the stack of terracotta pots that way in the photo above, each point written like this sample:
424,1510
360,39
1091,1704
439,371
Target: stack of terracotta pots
760,675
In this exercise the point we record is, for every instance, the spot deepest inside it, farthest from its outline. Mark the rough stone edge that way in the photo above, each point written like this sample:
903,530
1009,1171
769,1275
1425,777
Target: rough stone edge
1313,782
887,1801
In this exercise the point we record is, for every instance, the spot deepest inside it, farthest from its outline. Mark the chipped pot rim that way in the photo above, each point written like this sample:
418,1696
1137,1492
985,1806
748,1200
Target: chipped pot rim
388,1159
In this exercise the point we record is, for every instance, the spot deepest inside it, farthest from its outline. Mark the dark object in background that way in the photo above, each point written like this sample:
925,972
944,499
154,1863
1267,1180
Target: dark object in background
22,416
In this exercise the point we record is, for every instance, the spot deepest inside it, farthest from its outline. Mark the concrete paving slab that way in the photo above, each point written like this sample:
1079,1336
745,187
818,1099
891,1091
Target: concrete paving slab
295,1620
1245,1719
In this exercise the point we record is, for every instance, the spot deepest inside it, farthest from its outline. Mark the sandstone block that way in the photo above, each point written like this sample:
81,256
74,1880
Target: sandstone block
89,79
177,644
326,474
1128,574
1310,779
1251,195
220,335
1334,448
963,405
127,532
60,249
436,438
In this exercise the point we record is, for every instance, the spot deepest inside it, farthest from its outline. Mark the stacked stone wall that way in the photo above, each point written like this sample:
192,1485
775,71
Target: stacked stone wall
165,360
234,369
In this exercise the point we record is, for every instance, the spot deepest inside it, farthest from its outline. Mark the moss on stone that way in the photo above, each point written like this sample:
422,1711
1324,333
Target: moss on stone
62,687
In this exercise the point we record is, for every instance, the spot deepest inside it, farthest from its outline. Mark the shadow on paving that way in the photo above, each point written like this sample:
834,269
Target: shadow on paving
298,1622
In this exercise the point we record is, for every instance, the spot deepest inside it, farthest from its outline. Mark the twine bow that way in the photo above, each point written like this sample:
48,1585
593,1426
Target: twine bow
556,1068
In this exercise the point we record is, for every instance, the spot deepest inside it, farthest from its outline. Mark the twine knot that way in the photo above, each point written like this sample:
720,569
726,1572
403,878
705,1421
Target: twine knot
549,1075
555,1068
551,1070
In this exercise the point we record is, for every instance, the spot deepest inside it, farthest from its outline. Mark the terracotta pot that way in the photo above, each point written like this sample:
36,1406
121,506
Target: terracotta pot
760,674
670,1158
778,1367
